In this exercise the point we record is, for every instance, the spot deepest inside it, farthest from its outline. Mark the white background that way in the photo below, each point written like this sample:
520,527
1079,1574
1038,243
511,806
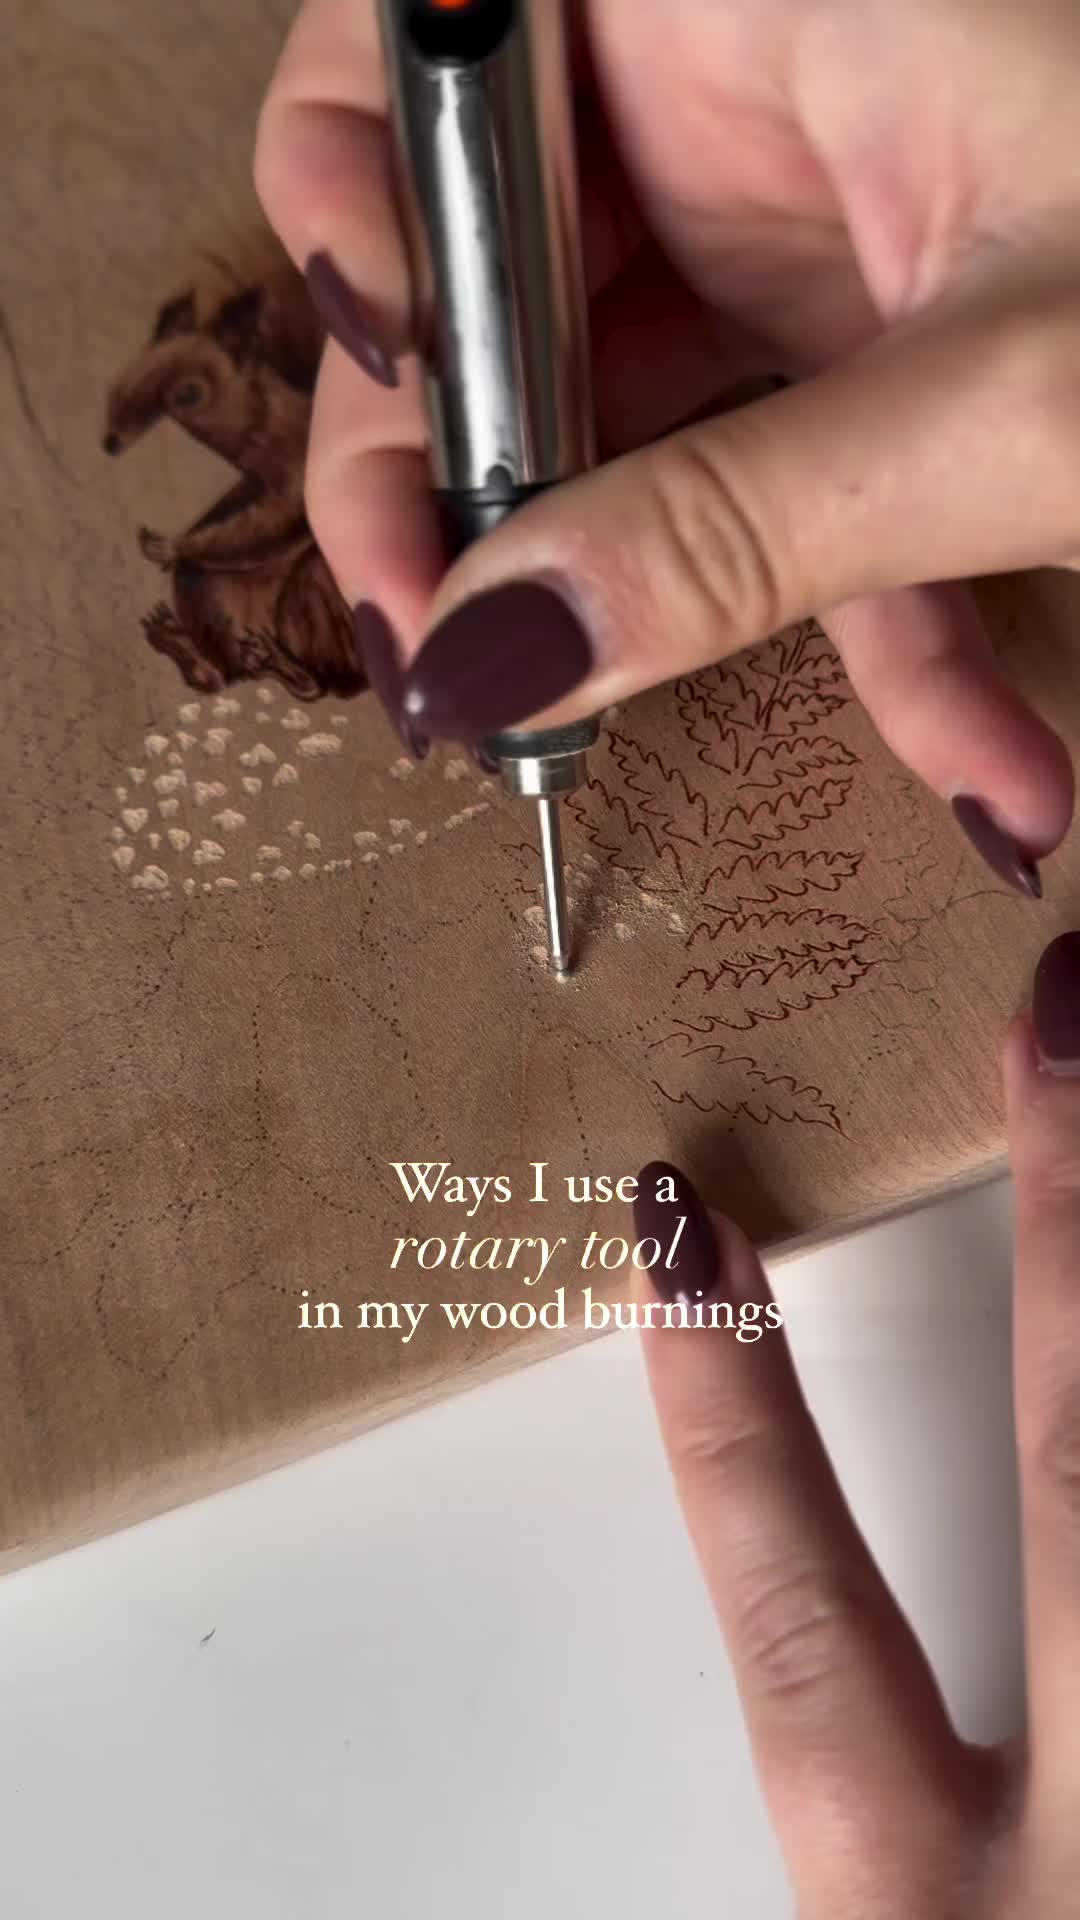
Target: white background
463,1666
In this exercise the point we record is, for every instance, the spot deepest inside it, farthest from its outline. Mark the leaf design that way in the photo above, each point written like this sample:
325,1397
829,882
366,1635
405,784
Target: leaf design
761,879
769,993
728,846
771,966
782,1098
660,793
793,711
808,682
714,1082
930,881
790,813
627,841
795,759
717,744
914,970
721,715
788,933
818,664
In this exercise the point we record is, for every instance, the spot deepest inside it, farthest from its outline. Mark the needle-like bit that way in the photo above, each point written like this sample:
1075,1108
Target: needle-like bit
551,854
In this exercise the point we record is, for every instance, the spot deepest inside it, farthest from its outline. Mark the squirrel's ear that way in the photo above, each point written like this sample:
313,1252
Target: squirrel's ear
176,316
236,327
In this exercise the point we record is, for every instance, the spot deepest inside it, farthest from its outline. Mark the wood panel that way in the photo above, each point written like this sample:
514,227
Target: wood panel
251,957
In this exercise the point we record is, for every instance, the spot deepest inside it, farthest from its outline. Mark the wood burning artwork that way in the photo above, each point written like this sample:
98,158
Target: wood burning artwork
251,594
744,838
721,809
252,955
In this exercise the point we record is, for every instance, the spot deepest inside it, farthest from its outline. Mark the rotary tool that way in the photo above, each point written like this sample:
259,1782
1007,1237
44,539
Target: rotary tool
486,179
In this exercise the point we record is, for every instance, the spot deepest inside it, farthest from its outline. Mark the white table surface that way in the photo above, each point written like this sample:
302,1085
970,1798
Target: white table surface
463,1666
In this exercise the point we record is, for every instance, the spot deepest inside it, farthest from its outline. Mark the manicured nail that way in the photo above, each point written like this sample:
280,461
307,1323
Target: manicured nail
998,849
378,649
667,1209
344,314
1056,1005
498,659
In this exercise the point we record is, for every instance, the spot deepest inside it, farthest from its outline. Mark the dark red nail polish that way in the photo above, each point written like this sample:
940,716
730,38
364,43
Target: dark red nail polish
1056,1005
344,314
500,658
695,1274
375,638
997,848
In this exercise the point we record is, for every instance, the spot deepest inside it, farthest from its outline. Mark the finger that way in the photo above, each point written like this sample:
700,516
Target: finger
369,492
322,172
849,1732
1042,1079
939,452
371,509
368,481
659,354
921,661
322,168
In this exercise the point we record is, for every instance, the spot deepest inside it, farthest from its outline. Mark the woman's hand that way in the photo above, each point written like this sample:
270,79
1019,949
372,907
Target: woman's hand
880,1808
879,202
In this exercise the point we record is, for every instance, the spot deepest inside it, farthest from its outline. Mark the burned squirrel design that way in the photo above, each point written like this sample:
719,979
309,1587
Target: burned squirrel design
251,593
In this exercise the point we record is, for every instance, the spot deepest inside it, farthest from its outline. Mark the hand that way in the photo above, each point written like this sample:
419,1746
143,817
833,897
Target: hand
158,547
879,202
879,1806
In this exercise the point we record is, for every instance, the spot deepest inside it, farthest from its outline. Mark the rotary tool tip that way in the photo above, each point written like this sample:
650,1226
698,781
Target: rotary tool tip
558,929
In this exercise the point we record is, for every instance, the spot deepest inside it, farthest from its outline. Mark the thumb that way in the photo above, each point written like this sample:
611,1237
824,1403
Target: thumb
947,448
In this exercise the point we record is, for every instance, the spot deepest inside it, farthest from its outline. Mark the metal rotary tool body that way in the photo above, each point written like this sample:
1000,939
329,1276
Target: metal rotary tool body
487,183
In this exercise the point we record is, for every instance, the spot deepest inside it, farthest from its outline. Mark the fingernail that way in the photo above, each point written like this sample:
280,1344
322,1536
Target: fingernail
665,1197
378,649
1055,1005
998,849
498,659
344,314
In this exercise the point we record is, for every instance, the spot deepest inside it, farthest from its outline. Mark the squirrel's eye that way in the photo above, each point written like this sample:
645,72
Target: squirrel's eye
188,394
